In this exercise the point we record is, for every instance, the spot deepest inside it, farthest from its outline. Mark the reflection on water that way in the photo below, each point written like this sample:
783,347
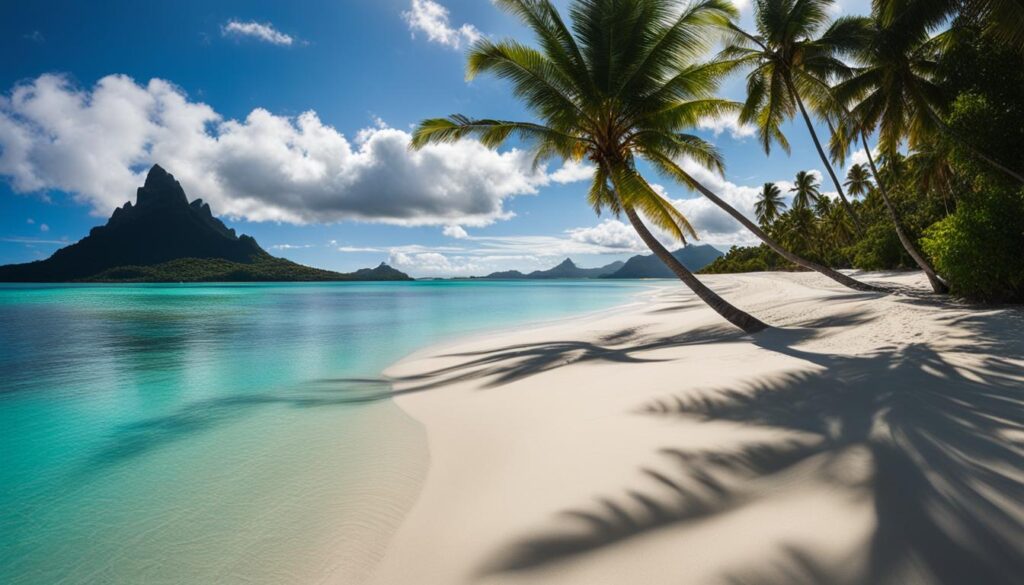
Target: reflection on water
191,434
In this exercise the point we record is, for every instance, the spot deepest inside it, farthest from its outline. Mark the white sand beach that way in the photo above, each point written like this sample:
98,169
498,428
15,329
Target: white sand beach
865,439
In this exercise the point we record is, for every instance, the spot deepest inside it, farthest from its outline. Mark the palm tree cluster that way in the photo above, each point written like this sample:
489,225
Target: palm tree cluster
624,84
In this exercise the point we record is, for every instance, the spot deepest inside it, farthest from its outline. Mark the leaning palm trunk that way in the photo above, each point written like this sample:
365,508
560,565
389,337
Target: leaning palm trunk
937,285
824,159
739,318
757,231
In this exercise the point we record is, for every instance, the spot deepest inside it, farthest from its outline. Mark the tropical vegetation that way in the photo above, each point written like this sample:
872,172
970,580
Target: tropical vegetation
934,116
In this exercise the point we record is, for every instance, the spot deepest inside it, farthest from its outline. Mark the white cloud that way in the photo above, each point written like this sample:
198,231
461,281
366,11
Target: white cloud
572,172
30,221
859,157
430,18
356,249
44,228
262,31
610,233
98,143
455,231
291,246
728,122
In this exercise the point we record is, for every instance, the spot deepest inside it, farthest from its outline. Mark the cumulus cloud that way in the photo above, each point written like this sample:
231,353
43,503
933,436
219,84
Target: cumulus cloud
432,19
455,231
98,143
610,233
572,172
44,228
859,157
260,31
727,123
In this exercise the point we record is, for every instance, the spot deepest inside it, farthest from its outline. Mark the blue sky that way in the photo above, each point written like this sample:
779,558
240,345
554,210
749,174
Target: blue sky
291,120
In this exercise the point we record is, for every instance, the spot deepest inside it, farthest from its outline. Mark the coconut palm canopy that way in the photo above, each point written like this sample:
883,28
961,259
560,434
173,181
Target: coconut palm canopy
624,83
805,190
770,203
858,180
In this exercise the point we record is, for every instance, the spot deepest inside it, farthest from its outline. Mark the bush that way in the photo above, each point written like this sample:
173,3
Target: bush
880,249
980,248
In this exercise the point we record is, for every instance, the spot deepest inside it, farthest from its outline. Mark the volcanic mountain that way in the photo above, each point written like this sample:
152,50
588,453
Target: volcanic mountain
164,238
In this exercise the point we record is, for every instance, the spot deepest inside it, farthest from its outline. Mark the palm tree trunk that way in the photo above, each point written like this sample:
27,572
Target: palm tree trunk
937,284
741,319
825,161
833,274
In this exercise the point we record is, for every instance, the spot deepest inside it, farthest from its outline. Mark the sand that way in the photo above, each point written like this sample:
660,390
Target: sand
865,439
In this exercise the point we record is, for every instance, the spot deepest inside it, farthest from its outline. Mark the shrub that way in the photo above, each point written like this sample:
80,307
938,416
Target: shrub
879,249
980,248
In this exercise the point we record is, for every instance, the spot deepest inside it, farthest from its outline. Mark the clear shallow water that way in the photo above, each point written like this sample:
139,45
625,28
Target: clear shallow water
200,433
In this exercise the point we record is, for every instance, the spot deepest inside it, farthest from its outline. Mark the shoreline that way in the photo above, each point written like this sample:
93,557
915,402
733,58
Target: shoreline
644,441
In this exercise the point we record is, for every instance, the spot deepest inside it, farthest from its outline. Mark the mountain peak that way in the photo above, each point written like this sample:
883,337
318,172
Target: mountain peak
567,263
160,186
164,238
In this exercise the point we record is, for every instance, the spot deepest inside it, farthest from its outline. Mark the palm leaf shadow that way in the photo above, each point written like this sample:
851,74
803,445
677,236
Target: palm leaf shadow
944,443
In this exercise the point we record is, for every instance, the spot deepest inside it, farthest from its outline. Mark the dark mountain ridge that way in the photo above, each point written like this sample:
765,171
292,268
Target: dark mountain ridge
566,269
694,257
162,238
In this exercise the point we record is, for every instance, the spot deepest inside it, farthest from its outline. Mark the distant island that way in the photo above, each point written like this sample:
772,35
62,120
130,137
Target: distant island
164,238
694,257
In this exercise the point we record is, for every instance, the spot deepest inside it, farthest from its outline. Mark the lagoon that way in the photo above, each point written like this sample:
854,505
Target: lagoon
207,433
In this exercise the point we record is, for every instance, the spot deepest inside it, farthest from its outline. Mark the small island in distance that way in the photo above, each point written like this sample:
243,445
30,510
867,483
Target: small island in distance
165,238
694,257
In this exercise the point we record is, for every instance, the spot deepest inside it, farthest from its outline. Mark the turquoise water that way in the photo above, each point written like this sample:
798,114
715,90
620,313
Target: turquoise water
201,433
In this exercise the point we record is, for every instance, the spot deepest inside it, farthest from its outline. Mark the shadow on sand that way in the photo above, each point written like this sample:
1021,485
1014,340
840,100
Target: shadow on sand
942,443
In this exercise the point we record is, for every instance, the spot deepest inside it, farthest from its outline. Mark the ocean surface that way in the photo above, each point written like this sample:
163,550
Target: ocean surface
208,433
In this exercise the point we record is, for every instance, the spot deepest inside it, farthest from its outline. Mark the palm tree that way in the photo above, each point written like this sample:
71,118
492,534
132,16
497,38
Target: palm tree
837,225
787,60
1000,18
893,92
621,86
769,204
858,181
806,190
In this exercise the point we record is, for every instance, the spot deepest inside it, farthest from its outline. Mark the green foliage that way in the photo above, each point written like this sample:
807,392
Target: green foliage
747,259
880,249
980,248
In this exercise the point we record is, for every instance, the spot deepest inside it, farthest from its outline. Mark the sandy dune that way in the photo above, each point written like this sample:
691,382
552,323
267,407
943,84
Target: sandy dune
867,439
